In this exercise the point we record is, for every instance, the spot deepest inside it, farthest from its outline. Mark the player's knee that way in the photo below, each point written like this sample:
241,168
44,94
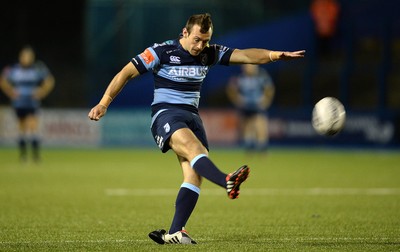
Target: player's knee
194,149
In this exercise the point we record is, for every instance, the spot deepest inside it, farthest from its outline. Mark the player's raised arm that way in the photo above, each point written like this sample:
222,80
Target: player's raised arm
113,89
262,56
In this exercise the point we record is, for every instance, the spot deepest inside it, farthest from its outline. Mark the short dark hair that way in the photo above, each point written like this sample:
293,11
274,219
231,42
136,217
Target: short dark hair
203,20
27,47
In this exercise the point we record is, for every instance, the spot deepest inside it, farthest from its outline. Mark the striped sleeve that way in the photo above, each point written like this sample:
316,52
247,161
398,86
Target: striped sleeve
146,61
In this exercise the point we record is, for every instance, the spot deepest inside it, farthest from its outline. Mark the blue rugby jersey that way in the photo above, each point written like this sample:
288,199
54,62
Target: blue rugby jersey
26,80
252,89
178,75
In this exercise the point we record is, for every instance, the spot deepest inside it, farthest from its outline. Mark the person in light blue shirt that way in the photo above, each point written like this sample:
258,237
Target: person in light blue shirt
179,67
26,83
252,93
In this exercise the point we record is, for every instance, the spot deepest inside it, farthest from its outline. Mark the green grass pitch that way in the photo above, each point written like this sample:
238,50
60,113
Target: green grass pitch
110,199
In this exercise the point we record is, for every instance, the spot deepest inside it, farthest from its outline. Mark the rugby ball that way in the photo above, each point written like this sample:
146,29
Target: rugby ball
328,116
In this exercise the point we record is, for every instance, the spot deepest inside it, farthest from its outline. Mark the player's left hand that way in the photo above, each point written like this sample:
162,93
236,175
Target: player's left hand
291,55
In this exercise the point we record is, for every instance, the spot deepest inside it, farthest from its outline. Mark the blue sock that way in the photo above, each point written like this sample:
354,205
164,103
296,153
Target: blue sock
184,205
205,168
22,147
35,147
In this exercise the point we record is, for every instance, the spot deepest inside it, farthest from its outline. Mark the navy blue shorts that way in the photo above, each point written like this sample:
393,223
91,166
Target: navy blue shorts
24,112
250,113
170,120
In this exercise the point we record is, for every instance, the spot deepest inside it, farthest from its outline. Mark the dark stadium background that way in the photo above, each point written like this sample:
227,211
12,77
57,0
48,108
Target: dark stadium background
85,43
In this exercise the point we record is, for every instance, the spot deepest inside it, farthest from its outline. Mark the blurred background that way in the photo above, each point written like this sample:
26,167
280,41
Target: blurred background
85,43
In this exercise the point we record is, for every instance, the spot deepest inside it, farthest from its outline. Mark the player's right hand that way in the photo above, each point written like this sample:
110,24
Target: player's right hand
97,112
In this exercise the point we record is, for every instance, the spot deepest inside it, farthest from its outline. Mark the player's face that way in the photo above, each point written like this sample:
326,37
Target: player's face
26,57
195,42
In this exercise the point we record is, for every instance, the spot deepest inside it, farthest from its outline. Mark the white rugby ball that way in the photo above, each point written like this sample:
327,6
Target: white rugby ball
328,116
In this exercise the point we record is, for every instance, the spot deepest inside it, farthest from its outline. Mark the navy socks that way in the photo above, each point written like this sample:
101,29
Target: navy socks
23,144
206,168
22,148
189,194
184,205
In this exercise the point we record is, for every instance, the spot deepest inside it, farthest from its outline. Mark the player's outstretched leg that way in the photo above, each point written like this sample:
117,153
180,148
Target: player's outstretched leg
235,179
181,237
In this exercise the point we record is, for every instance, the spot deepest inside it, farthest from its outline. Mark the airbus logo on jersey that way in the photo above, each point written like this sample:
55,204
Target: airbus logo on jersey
174,59
188,71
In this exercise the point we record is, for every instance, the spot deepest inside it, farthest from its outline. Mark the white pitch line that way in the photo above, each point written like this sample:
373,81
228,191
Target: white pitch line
259,191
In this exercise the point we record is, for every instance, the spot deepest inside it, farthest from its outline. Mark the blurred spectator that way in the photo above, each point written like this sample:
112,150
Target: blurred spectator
325,14
252,93
26,83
